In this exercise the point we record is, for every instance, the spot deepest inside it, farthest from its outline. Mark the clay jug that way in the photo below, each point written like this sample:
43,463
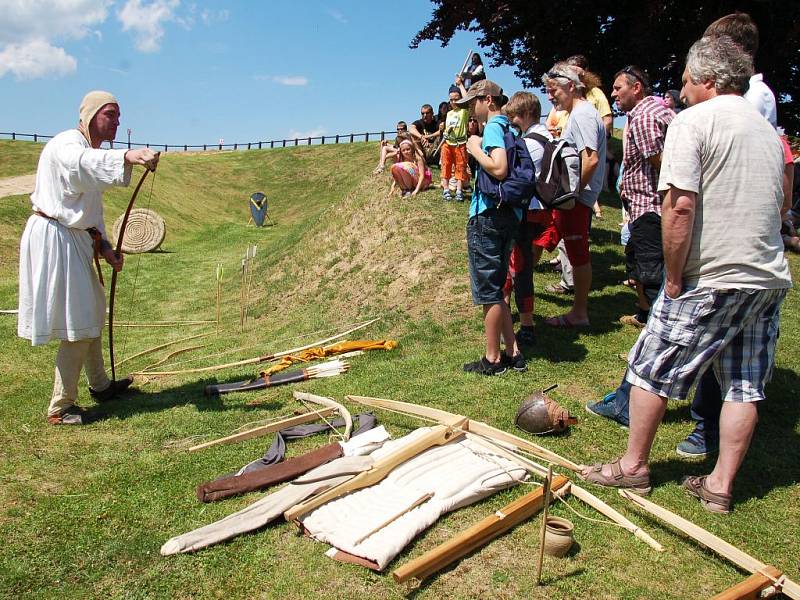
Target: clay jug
558,538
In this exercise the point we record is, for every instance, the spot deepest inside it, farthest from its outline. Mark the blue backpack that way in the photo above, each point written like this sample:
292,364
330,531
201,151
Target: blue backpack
519,186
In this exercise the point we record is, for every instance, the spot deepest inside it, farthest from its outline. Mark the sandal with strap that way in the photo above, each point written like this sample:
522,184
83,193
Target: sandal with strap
638,484
716,503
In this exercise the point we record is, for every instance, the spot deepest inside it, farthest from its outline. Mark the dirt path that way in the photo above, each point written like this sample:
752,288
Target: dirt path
12,186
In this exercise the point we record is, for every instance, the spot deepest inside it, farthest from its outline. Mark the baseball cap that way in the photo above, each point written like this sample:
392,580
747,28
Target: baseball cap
484,87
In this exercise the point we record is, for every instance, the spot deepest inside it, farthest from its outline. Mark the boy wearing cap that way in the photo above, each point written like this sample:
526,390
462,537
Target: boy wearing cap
490,233
60,296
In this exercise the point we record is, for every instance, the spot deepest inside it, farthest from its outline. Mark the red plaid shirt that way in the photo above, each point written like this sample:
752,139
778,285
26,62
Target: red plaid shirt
647,128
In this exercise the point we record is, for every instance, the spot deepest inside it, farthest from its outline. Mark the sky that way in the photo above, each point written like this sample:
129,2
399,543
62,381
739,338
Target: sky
195,72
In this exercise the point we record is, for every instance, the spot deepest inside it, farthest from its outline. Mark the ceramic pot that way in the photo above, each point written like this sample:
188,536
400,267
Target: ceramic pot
558,537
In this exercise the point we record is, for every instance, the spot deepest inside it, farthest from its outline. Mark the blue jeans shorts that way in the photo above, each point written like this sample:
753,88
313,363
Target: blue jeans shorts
490,236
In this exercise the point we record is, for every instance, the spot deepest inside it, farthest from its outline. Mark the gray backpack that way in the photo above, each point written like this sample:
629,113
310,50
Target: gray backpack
559,182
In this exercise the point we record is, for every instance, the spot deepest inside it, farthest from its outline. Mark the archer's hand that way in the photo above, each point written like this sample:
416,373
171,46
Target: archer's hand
112,259
143,156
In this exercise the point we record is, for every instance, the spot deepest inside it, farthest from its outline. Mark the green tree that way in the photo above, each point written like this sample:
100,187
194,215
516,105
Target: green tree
531,35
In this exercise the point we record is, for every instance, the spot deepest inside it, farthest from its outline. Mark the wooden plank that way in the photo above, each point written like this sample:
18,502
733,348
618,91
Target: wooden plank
265,429
749,588
476,536
437,436
710,541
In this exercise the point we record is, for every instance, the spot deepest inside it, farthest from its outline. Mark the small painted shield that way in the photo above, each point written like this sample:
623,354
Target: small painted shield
258,208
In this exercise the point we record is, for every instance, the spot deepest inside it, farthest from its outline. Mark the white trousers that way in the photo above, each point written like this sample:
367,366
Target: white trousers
70,359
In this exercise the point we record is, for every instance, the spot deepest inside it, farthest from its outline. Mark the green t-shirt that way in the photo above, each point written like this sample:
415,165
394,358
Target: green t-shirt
455,127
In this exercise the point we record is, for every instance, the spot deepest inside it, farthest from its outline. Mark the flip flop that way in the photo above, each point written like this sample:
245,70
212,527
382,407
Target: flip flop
561,322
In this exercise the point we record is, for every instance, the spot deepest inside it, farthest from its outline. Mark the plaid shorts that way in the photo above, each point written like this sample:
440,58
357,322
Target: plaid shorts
732,331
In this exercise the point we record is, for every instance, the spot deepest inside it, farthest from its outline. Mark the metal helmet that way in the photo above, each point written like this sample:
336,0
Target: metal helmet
541,414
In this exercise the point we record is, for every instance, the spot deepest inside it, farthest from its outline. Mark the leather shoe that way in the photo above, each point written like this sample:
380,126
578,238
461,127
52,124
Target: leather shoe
114,388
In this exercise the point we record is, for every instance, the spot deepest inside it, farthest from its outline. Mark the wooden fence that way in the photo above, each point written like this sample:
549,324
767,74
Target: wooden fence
347,138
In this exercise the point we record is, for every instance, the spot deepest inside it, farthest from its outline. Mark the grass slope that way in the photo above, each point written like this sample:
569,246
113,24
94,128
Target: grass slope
83,512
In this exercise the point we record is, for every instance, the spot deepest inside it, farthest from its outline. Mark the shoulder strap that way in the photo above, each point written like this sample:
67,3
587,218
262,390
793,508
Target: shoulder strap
536,136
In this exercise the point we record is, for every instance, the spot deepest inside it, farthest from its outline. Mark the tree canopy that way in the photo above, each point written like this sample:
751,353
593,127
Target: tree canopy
655,35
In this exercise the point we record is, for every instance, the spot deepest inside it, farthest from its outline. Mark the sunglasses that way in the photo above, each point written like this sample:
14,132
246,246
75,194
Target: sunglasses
557,75
633,72
426,112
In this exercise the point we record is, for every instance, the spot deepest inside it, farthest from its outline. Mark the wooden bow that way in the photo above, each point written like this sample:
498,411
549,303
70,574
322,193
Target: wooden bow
113,289
476,427
257,359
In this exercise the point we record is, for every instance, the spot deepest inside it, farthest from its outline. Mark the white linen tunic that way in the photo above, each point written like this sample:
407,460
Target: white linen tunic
60,296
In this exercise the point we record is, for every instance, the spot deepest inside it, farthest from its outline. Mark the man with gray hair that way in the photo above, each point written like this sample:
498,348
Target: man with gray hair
586,132
726,274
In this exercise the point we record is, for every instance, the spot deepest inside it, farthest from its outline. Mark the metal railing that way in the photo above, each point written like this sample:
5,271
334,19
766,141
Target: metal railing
346,138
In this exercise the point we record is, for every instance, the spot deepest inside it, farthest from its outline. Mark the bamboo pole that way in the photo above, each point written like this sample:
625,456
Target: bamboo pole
265,429
476,536
543,532
220,275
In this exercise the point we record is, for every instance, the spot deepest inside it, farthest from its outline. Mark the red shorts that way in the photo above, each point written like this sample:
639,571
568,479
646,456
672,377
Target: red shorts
457,155
546,236
573,227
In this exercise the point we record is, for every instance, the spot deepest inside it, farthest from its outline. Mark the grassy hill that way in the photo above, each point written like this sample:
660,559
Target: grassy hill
83,511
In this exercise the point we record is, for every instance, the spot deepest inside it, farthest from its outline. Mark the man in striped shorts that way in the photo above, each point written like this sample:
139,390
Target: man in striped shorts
726,275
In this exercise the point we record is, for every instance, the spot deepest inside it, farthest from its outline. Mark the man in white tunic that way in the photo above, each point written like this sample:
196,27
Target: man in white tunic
60,295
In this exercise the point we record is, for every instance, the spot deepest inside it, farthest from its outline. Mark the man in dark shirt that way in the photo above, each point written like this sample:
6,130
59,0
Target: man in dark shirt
427,133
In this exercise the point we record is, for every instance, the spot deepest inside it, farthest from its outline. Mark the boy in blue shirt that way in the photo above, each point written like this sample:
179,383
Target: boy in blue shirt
490,233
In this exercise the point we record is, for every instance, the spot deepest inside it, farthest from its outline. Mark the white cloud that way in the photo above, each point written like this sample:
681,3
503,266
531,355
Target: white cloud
31,27
290,79
335,14
146,21
27,20
317,132
34,59
210,17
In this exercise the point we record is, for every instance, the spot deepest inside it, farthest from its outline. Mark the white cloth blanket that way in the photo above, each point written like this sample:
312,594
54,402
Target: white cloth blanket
273,505
59,294
457,474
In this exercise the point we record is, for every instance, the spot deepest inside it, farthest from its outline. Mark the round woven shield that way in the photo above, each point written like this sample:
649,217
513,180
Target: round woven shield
144,233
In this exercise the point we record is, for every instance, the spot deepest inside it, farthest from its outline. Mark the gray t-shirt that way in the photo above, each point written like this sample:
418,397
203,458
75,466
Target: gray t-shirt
730,156
585,129
536,150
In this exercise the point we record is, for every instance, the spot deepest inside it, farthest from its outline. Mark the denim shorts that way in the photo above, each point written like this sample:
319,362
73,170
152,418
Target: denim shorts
489,238
733,331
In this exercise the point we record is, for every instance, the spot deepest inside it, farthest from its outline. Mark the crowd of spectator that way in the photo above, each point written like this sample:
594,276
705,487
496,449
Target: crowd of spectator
706,180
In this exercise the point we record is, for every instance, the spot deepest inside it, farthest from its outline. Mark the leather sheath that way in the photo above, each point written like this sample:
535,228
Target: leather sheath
262,478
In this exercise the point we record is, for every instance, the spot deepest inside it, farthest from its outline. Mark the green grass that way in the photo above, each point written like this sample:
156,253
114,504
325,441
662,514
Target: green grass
18,158
83,512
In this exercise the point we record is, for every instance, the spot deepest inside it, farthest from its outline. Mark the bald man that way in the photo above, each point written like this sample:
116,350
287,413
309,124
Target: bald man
60,295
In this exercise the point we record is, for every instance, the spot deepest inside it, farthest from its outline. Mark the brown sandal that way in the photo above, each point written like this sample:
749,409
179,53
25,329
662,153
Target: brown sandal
716,503
638,484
